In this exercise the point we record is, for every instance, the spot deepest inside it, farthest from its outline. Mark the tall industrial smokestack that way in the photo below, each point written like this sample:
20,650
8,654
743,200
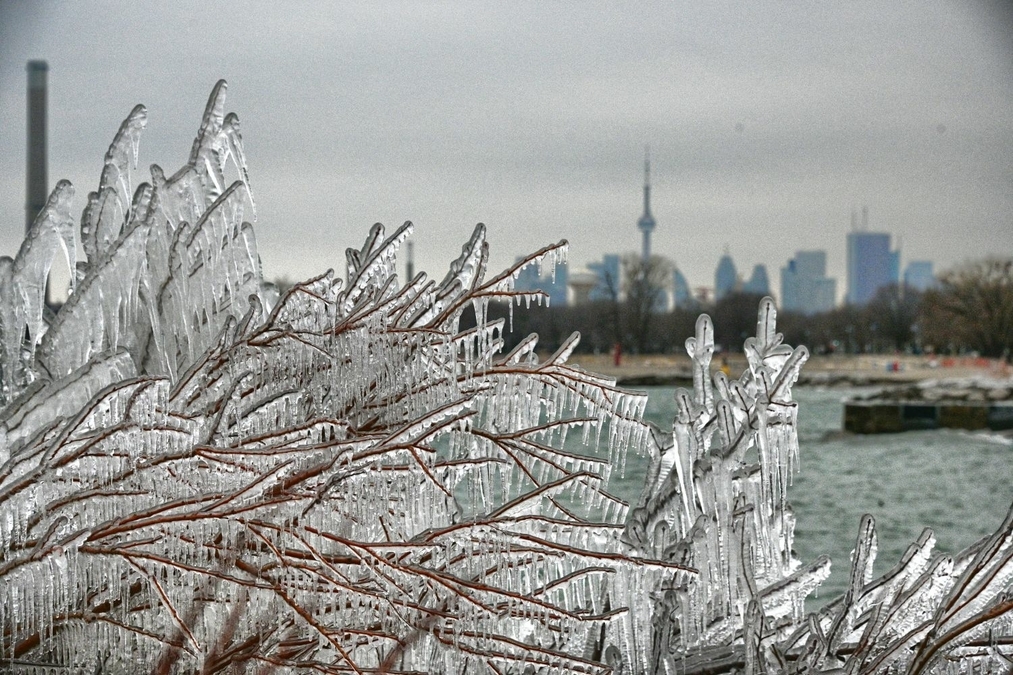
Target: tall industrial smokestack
38,180
410,268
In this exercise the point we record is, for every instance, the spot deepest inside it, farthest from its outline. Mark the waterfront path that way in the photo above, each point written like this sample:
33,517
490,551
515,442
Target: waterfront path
835,369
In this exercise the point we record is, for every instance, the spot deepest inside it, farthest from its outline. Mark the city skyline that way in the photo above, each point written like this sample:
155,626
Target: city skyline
767,123
872,262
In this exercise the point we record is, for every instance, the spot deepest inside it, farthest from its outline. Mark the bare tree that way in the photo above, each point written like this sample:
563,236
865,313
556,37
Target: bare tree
733,321
645,282
892,314
972,308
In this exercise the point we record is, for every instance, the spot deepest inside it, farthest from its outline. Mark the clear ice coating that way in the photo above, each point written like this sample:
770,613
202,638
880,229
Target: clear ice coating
198,477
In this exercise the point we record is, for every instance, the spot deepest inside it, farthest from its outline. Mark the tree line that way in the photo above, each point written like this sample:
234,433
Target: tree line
969,310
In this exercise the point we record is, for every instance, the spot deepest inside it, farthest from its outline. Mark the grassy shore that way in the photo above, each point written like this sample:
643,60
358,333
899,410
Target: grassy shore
836,369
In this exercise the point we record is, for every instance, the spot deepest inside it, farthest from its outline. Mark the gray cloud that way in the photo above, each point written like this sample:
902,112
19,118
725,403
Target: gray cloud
768,122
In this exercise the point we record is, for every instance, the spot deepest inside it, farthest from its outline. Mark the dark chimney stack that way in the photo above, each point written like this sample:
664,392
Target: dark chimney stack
38,180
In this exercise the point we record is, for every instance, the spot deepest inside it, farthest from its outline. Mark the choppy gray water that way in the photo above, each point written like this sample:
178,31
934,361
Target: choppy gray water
955,482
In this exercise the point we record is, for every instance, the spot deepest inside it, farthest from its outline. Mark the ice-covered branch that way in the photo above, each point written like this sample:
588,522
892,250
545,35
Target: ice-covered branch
348,482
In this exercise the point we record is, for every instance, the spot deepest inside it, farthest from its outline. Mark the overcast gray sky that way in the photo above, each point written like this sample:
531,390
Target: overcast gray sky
768,121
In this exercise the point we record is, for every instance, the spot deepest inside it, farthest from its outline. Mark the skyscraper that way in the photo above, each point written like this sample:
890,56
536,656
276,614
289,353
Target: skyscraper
918,275
805,287
871,265
607,279
554,285
646,222
758,283
557,283
726,278
682,296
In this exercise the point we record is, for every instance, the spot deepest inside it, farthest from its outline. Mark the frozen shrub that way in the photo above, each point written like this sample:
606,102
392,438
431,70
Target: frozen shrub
348,481
198,477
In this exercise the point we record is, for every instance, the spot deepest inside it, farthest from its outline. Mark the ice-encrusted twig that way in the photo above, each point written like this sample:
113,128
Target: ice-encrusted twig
347,481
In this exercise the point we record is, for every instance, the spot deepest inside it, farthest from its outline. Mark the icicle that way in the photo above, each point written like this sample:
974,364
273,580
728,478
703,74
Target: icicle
375,466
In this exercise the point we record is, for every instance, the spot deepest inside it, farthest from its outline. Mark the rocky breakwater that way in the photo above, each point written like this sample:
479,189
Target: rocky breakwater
933,404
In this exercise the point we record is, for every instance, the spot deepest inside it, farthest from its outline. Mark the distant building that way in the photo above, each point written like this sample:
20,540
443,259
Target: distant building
662,301
581,285
918,275
559,281
805,287
758,282
555,286
682,296
871,263
726,279
528,279
608,278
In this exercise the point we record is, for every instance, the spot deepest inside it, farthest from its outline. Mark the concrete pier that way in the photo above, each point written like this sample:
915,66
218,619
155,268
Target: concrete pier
879,417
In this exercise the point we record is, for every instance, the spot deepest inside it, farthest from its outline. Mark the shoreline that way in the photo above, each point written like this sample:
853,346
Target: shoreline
835,370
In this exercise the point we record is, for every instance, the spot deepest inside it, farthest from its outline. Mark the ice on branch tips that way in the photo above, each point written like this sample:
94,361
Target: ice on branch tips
196,476
346,481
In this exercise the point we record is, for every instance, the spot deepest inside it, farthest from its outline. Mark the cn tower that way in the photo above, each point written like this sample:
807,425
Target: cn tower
646,222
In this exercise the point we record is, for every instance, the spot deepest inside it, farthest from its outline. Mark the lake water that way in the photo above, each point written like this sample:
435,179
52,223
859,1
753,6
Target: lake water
957,483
